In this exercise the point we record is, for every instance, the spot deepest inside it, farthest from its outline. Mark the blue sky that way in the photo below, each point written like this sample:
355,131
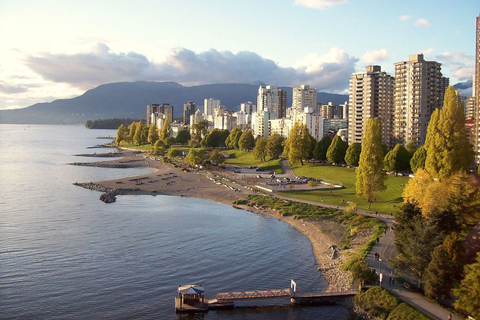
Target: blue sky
59,49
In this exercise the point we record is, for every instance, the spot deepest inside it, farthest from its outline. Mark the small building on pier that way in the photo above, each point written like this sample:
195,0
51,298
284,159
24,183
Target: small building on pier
190,298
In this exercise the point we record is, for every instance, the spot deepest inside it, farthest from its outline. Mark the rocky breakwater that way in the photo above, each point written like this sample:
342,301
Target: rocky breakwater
109,194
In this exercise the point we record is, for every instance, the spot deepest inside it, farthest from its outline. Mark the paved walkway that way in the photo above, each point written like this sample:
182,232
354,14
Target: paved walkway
386,249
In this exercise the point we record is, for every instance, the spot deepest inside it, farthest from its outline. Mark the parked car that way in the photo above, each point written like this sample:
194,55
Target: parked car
260,169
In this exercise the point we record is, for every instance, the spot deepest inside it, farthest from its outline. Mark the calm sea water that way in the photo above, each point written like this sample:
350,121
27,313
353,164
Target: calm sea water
64,254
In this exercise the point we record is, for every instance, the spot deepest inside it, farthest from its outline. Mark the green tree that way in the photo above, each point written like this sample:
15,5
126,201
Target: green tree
152,134
299,143
169,141
166,129
159,147
312,183
337,150
415,239
448,149
183,136
215,138
418,159
411,147
140,136
438,277
122,134
246,141
370,177
260,150
195,156
469,291
199,130
232,139
131,131
216,156
352,156
174,152
376,301
275,145
321,148
397,160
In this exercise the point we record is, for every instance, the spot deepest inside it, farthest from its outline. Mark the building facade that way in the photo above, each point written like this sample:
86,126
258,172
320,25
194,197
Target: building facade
209,105
156,110
370,96
303,97
419,90
189,108
268,100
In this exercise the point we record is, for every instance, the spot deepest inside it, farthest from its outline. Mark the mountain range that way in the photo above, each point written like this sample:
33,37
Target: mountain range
130,99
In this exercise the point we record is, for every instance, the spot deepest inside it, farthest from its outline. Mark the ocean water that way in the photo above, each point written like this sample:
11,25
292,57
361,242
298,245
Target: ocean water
64,254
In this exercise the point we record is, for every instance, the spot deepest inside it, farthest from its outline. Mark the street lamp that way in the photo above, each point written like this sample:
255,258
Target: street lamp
379,265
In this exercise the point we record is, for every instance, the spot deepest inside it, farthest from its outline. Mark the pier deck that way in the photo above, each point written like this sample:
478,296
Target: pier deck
257,294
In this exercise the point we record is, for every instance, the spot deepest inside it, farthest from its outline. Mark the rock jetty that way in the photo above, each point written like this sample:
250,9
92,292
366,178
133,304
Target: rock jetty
109,194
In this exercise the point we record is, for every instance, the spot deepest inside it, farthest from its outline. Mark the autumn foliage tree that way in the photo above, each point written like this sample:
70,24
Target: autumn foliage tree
370,177
260,149
275,145
448,149
299,143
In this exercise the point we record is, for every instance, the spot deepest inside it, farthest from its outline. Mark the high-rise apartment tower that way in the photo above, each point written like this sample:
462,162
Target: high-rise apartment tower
370,96
419,90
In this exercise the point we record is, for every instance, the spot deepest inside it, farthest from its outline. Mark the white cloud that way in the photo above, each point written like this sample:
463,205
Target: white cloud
86,70
371,57
459,64
422,23
427,51
328,72
405,17
319,4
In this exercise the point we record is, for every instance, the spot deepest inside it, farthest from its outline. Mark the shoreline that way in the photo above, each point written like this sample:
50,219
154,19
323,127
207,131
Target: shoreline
167,180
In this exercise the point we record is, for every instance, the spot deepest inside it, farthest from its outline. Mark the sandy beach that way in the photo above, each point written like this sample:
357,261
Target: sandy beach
168,180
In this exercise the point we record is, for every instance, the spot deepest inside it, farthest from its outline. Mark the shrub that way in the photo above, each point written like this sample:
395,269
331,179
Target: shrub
376,301
404,312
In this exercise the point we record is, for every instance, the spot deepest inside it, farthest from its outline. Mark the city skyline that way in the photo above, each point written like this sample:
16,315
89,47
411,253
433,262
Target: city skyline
56,50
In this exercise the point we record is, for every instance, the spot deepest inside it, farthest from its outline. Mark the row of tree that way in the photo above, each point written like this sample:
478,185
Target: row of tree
442,204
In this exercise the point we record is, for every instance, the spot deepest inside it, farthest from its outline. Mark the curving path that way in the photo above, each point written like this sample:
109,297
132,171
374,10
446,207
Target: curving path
386,249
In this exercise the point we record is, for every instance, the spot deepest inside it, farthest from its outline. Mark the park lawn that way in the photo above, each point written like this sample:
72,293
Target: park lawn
246,159
388,201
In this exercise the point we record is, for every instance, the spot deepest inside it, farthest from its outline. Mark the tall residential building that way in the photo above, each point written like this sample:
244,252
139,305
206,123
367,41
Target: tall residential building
331,111
313,122
370,95
189,108
476,93
155,110
419,90
268,100
248,107
209,105
282,103
303,97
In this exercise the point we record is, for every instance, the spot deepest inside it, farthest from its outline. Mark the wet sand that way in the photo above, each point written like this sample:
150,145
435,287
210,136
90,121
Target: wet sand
168,180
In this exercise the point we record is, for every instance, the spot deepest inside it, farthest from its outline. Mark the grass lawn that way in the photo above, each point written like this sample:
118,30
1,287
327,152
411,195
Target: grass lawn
387,202
245,159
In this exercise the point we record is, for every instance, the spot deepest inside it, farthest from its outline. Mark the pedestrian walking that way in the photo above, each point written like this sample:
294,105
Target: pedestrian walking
390,280
378,239
393,281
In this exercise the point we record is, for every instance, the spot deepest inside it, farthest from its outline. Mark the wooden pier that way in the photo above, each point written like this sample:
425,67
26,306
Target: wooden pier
191,299
257,294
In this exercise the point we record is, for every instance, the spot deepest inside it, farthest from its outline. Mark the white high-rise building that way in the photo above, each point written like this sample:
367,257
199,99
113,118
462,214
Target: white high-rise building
419,90
281,126
268,100
370,96
260,123
304,97
209,105
313,122
248,107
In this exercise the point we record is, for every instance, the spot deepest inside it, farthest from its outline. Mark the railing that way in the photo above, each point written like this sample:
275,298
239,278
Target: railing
258,294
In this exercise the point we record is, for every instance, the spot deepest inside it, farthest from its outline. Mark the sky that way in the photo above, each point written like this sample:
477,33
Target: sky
59,49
